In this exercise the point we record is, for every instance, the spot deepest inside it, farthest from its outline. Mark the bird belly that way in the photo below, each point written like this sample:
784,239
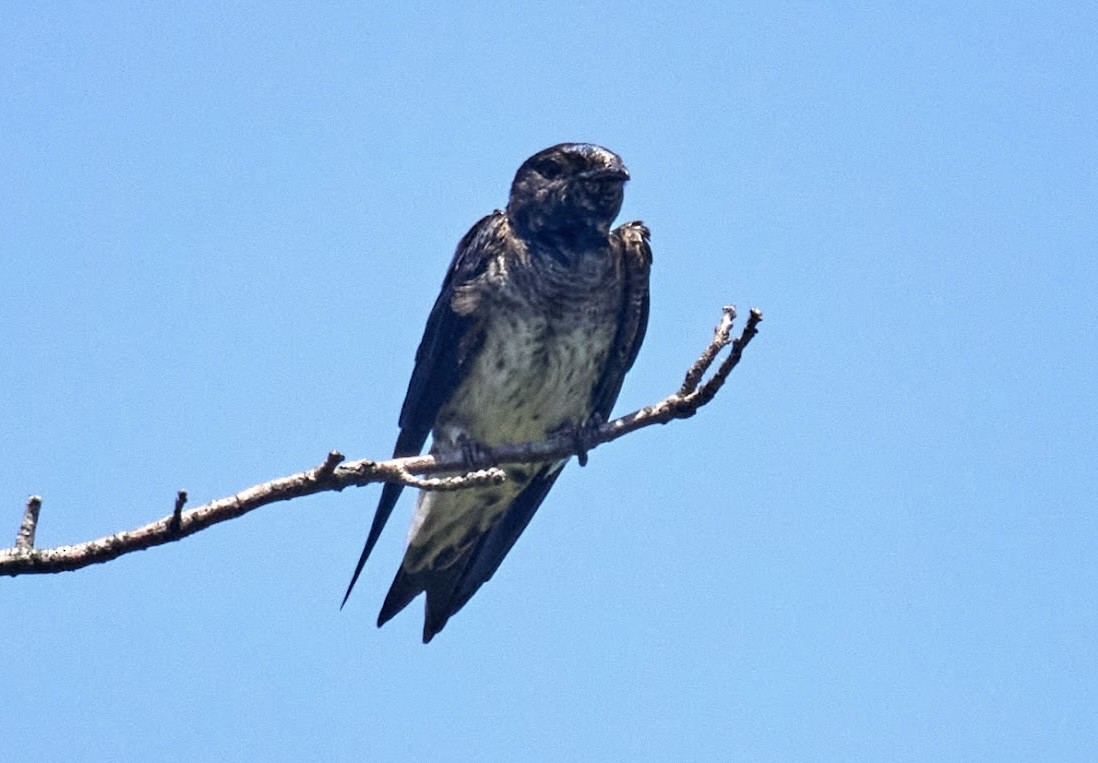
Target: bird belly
530,378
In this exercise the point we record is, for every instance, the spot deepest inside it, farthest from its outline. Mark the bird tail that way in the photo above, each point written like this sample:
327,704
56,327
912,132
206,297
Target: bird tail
440,587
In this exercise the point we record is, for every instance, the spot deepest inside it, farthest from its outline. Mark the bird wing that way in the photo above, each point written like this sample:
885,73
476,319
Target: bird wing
631,239
450,591
449,340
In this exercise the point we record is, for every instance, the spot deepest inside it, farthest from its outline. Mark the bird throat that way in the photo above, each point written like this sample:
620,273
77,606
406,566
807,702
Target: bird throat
568,246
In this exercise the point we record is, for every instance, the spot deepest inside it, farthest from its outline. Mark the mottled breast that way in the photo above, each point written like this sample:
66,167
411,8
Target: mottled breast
547,327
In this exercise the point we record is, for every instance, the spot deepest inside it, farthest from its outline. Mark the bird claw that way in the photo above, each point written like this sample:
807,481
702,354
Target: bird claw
474,454
584,435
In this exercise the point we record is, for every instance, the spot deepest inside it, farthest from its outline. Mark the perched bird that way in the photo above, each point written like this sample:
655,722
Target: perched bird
541,314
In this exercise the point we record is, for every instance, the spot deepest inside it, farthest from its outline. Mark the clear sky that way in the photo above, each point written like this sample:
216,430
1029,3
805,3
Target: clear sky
222,227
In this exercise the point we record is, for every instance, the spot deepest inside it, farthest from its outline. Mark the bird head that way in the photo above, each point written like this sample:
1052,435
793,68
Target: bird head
569,193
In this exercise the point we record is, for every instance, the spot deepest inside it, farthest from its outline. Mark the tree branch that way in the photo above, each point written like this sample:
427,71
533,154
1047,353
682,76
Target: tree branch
335,473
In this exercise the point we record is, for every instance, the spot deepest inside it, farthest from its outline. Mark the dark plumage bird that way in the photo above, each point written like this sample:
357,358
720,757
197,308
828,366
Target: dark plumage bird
541,314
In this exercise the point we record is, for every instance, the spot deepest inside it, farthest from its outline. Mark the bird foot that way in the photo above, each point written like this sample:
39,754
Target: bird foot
584,435
475,454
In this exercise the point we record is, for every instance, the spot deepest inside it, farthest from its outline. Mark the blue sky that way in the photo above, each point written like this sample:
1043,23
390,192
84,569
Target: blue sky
222,227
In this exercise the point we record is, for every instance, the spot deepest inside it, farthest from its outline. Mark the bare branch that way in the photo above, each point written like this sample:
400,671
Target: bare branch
335,473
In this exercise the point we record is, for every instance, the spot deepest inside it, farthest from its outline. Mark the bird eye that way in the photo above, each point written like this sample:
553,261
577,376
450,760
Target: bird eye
549,169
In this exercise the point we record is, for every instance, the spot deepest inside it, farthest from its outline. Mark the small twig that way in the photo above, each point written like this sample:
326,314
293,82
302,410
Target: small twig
177,514
709,389
334,459
721,337
335,474
24,539
492,476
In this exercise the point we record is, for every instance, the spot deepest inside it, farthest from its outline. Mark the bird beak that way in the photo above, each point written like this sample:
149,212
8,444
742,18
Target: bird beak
618,173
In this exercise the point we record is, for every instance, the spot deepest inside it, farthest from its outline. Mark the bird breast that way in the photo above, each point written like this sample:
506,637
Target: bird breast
536,369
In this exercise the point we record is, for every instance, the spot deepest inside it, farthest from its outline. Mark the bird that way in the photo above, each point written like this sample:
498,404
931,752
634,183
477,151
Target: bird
541,314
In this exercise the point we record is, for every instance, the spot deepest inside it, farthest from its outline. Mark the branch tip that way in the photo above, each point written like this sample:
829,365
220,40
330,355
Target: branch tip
722,335
24,539
333,459
176,522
